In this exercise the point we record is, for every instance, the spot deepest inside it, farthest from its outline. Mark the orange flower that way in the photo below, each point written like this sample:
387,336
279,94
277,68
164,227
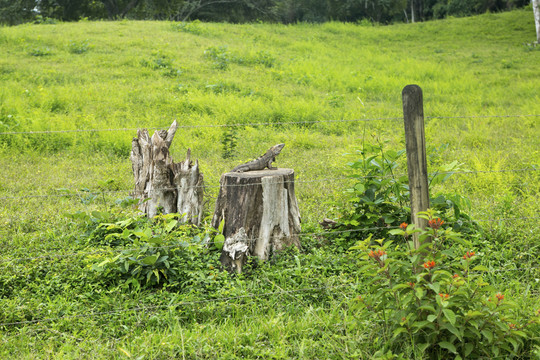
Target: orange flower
468,255
455,276
499,296
376,254
403,226
444,296
512,326
411,284
435,223
429,265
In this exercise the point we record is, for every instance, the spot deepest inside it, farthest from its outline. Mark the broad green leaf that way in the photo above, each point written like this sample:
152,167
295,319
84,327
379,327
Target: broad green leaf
221,226
480,268
514,343
156,240
419,293
150,260
453,330
448,346
360,187
449,314
421,324
431,318
474,313
468,349
400,286
427,307
488,335
219,240
103,263
435,287
156,272
398,331
171,225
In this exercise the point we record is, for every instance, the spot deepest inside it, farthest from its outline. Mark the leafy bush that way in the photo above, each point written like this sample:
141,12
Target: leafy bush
163,64
379,201
219,56
435,302
40,51
78,47
194,27
155,252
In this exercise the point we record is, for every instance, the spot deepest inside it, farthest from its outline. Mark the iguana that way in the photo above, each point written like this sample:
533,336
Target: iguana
264,161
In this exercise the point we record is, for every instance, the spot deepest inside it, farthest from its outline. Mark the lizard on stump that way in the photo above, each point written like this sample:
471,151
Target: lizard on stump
264,161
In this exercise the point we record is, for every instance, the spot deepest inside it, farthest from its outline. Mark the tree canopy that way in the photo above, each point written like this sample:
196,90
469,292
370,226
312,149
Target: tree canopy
284,11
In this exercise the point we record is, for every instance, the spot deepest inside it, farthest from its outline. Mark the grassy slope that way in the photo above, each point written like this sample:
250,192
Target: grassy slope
473,66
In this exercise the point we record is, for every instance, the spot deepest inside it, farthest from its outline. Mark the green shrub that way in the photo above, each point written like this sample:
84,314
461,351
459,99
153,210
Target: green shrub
194,27
155,252
219,56
40,51
78,47
434,300
379,200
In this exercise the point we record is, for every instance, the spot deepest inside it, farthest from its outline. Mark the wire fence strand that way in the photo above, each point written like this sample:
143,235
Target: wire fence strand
249,241
173,305
79,192
259,124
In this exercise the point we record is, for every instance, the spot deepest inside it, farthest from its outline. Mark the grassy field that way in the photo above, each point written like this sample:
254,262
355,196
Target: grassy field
100,81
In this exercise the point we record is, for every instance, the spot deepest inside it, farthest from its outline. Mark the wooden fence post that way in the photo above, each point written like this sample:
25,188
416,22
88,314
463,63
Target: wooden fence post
415,144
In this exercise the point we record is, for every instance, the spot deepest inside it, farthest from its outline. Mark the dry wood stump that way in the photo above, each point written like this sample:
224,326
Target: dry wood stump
162,185
260,214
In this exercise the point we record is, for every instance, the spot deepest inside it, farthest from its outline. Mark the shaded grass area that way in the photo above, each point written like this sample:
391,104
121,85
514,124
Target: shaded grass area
110,75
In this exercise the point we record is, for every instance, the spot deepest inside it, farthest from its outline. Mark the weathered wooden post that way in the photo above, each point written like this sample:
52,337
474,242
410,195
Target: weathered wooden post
259,209
415,144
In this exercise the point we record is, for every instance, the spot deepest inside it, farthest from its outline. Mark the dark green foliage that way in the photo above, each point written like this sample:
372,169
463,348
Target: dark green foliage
229,142
14,12
78,47
379,199
284,11
219,56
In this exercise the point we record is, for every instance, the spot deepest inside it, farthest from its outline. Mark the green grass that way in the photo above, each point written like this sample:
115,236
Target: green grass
112,75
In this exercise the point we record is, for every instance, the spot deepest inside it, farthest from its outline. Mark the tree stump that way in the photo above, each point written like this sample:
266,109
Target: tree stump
260,214
160,184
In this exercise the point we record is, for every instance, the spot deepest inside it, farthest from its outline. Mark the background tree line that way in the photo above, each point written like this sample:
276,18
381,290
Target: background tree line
235,11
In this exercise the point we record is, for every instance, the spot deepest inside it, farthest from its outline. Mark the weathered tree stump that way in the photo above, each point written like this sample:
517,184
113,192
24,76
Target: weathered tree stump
160,184
261,215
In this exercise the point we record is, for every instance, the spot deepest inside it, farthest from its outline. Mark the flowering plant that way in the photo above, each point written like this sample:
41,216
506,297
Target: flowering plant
434,302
